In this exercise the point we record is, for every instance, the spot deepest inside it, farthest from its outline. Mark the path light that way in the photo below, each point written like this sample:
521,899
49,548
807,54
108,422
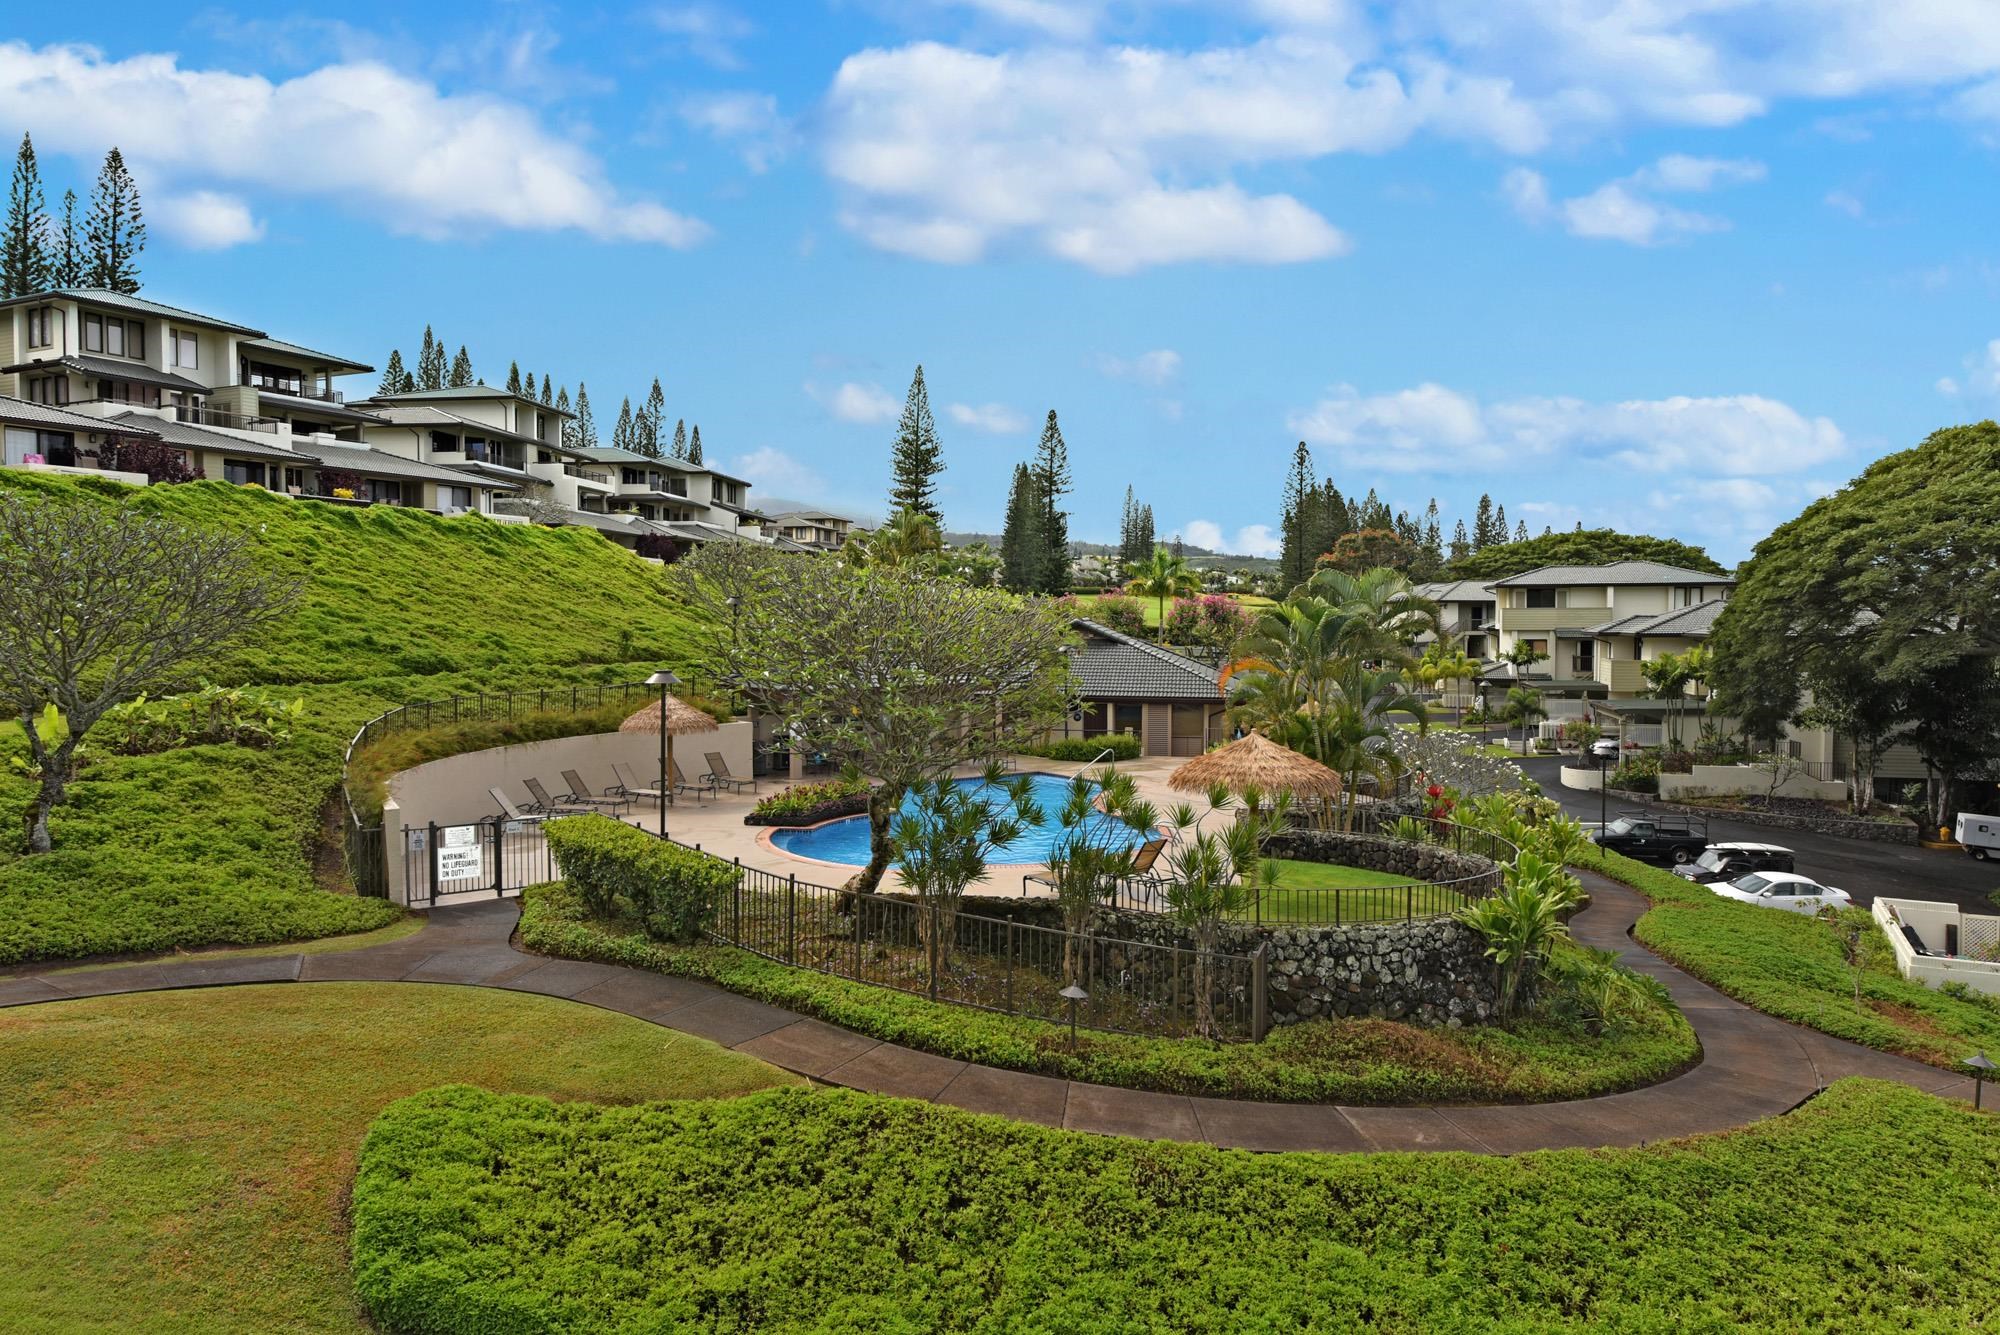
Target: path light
1073,994
1982,1066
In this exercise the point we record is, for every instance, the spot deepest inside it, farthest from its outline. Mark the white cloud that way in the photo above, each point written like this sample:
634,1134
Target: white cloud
206,220
1982,373
1626,209
750,120
707,32
1432,428
858,403
1148,368
360,135
777,472
1120,158
993,418
1844,201
1062,19
1947,386
1250,540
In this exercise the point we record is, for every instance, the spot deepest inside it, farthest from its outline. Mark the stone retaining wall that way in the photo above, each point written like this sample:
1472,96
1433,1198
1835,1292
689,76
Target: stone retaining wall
1870,831
1393,857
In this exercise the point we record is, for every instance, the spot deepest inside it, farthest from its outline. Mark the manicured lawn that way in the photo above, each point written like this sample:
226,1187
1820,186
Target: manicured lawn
408,925
179,1161
1300,895
223,845
1793,967
1874,1208
1353,1061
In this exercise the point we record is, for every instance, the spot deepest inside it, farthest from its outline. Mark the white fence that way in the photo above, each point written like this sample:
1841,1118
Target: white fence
1957,947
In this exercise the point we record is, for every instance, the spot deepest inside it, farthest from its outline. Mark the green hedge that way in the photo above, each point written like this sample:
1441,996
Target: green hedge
811,803
1792,966
1354,1061
614,868
1123,746
1873,1208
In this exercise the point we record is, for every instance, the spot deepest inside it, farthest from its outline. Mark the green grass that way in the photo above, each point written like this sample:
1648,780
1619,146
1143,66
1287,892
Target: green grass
225,845
178,1161
408,925
1353,1061
834,1211
1792,966
1252,602
1293,900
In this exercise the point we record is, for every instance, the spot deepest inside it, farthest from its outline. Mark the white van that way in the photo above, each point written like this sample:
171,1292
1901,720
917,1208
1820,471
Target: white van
1979,834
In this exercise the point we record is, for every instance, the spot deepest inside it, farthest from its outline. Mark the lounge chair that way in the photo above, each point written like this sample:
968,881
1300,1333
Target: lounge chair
719,775
579,791
631,786
681,784
545,805
1142,870
510,811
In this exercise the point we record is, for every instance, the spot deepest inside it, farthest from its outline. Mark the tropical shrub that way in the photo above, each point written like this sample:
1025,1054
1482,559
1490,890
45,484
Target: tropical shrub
1121,612
1083,750
1522,922
811,803
1210,621
212,716
673,891
1637,773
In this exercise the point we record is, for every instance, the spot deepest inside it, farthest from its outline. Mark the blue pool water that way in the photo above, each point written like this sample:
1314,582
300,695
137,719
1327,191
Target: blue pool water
847,840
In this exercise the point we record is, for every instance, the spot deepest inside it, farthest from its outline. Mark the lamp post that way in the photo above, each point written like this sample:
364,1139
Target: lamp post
1982,1066
665,680
1073,994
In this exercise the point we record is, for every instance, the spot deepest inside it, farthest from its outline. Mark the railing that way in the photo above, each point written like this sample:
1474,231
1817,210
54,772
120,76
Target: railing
587,474
995,964
1407,901
367,854
198,416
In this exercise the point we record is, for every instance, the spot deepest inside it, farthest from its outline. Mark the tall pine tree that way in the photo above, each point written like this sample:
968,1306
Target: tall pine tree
621,431
395,380
549,391
116,228
586,427
25,261
1500,530
528,385
1020,540
680,446
694,445
430,362
1128,530
1461,546
568,427
67,255
916,458
653,415
1482,524
1295,555
1521,531
1052,483
513,377
461,369
1142,539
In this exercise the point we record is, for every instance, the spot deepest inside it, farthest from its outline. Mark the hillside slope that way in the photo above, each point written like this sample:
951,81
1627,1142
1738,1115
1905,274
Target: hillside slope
218,843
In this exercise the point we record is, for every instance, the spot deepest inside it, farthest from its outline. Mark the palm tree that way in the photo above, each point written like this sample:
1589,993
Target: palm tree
1162,575
1386,615
908,537
1523,708
1667,678
1455,665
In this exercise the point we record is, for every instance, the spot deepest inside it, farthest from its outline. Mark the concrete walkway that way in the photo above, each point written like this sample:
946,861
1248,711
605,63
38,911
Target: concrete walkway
1753,1066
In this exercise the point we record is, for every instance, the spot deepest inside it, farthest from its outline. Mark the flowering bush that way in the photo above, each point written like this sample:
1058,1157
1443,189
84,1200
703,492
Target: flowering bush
1121,612
1212,621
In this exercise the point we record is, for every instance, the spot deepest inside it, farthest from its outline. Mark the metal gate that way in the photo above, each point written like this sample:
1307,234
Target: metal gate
447,864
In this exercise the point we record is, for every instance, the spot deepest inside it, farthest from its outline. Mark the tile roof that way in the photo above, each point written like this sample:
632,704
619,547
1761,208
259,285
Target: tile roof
1456,591
1111,665
42,414
284,349
322,407
1696,620
98,296
425,414
115,368
1617,572
471,392
192,437
358,459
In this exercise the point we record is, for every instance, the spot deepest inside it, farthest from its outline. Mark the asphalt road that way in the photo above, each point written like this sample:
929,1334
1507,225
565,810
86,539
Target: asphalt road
1863,869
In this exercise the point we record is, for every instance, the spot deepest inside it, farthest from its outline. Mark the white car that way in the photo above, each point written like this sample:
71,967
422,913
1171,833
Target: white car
1783,890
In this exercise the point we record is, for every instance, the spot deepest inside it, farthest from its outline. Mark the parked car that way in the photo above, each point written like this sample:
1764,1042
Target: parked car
1783,890
1726,862
1665,838
1979,834
1604,748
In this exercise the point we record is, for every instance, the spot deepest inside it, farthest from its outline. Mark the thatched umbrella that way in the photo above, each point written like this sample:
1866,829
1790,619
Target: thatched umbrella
1257,762
670,718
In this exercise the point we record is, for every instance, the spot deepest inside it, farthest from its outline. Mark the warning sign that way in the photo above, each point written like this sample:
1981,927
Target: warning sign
459,850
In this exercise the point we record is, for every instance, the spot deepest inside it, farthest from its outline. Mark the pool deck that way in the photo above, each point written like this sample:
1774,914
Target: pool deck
716,824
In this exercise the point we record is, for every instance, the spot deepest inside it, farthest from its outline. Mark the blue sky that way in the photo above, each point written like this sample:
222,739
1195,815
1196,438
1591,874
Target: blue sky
1677,266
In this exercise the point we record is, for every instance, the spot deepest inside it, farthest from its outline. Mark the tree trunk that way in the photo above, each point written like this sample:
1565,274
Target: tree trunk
1204,980
49,791
1865,755
882,806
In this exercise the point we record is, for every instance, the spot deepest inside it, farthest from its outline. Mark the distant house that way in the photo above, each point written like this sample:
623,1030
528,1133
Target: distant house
1171,703
822,530
1465,611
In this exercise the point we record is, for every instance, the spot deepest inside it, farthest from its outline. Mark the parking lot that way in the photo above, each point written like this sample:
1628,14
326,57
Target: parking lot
1863,869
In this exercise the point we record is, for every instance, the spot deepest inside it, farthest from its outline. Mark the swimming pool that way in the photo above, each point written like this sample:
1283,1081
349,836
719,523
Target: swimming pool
846,840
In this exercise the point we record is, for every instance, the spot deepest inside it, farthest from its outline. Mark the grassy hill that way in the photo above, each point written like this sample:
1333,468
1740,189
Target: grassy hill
215,844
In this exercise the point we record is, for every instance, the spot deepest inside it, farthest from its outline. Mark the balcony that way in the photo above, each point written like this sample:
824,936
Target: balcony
1527,620
202,416
597,475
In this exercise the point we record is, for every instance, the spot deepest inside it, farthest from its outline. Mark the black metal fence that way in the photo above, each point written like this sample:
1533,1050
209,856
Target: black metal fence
445,864
362,838
994,964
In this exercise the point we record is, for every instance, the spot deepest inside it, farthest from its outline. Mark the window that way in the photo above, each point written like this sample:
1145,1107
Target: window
93,333
1541,647
51,389
42,327
241,471
1541,597
114,338
295,480
187,349
632,477
453,499
277,379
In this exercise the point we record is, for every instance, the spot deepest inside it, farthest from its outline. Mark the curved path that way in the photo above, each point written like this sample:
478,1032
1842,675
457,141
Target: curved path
1753,1066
